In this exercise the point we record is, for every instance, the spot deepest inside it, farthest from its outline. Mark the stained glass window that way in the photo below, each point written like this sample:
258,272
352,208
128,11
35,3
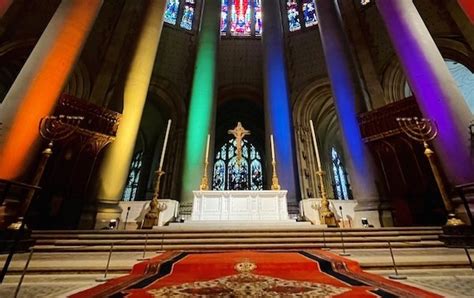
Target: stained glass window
464,78
224,15
229,174
131,187
293,15
171,12
241,17
258,17
309,13
340,182
188,14
301,14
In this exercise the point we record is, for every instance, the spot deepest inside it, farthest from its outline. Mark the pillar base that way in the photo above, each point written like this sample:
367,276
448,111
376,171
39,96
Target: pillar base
378,214
99,216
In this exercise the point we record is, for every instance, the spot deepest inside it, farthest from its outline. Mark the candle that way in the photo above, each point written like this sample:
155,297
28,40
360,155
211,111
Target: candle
207,147
273,148
315,144
164,146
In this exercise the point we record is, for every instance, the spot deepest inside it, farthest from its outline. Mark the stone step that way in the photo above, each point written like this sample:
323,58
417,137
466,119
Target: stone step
186,229
234,240
217,234
233,246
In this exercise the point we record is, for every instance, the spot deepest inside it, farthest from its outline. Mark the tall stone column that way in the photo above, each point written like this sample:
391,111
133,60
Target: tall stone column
40,82
435,90
202,107
4,5
115,166
347,99
278,120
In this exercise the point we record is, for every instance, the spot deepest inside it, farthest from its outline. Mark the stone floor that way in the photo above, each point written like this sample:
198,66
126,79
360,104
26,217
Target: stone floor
61,274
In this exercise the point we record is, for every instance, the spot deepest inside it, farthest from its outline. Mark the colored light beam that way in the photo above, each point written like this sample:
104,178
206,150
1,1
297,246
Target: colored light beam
202,105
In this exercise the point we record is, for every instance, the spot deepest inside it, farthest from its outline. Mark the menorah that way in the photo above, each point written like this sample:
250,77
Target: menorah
52,129
425,130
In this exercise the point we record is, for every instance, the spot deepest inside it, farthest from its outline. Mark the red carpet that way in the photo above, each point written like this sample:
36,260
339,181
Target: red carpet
251,274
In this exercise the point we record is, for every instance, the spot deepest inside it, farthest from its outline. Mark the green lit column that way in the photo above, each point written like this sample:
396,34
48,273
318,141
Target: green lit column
202,104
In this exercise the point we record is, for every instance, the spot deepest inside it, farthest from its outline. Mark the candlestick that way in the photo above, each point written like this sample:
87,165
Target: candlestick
207,147
326,215
316,149
273,147
164,146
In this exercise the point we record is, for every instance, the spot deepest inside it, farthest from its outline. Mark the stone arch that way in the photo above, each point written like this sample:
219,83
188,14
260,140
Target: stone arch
394,80
79,83
13,55
315,102
163,102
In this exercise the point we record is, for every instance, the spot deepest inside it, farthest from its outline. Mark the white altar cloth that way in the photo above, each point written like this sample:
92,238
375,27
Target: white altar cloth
245,205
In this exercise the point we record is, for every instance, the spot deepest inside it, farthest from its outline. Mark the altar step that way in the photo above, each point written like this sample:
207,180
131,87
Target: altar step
180,238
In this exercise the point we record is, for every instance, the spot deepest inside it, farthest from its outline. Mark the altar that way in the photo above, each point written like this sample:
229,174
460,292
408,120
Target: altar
243,205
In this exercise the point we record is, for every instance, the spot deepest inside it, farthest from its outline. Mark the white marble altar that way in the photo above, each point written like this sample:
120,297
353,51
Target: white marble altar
311,214
245,205
138,209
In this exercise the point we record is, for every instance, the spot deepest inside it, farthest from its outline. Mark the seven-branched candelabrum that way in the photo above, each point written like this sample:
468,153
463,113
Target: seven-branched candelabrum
425,130
52,129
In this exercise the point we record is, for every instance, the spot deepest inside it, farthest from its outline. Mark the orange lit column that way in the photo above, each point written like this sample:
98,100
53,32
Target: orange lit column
114,168
4,5
40,81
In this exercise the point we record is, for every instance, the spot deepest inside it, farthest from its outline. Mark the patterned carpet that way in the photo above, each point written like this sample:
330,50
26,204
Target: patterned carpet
251,274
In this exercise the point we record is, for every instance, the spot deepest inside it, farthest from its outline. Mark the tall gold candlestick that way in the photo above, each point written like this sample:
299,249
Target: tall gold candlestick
325,214
204,181
151,218
275,183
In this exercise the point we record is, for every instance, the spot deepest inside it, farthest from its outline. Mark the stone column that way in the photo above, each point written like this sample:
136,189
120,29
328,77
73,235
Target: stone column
278,120
40,82
435,90
4,5
347,100
115,166
202,107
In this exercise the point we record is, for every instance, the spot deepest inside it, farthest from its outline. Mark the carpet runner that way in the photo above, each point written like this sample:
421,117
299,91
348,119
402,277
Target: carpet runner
251,274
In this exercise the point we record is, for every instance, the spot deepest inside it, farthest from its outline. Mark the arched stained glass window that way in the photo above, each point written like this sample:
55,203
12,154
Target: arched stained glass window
182,11
309,13
229,174
293,15
131,187
241,18
171,12
464,78
340,182
301,14
188,15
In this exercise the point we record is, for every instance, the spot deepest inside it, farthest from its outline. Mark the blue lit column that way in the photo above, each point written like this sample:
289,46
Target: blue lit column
277,106
346,99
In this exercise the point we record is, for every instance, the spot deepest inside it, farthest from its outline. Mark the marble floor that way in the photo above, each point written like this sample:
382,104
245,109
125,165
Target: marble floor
61,274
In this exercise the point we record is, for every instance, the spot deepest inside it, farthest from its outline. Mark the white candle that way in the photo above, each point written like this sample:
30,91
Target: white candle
207,147
162,159
273,148
315,144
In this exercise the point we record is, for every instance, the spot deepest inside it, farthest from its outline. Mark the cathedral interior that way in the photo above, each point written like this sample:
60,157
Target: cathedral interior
116,112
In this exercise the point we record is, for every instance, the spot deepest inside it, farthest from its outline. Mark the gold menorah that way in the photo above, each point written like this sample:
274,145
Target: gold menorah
425,130
52,129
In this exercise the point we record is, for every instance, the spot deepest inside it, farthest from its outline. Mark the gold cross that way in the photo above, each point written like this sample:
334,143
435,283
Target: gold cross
239,133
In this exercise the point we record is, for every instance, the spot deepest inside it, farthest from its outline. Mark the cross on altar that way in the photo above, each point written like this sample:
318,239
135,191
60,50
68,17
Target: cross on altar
239,133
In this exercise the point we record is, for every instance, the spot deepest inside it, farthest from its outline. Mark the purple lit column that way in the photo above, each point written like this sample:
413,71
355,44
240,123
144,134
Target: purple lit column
435,89
277,107
347,100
